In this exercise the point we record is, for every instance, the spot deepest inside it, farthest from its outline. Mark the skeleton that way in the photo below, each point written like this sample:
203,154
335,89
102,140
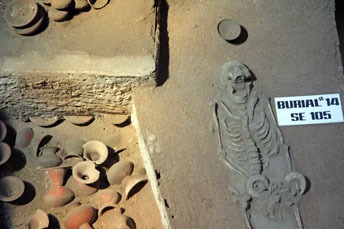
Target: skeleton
251,145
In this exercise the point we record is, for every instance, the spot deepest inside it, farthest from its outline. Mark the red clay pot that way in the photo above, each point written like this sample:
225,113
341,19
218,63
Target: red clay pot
80,215
58,195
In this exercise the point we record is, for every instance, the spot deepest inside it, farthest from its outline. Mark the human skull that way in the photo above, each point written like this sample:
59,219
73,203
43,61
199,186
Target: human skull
234,76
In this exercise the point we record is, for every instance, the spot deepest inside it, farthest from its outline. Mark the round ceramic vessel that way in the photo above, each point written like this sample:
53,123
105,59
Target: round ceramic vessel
85,172
81,5
106,197
119,171
98,4
130,182
95,151
24,137
20,13
3,130
80,215
61,4
44,122
11,188
229,29
5,152
57,15
79,120
39,220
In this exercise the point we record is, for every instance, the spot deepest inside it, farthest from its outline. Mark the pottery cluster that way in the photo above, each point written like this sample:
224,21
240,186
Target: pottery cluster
5,149
75,170
27,17
86,167
12,187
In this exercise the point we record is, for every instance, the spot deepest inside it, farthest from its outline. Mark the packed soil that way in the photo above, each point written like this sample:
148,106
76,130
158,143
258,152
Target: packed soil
123,146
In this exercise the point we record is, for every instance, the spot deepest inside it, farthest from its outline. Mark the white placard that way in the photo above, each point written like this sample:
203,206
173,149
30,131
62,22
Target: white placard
311,109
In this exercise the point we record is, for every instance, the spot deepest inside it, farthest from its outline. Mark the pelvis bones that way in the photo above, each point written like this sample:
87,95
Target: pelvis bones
262,178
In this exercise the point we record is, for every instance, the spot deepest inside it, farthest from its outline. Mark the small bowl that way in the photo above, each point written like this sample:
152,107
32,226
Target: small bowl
5,152
98,4
11,188
3,130
58,15
229,29
20,13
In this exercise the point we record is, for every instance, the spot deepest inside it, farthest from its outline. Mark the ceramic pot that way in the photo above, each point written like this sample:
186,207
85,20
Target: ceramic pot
132,184
98,4
47,157
229,29
80,215
46,2
61,4
74,147
20,13
85,226
83,189
5,152
3,130
106,197
85,172
24,137
79,120
58,195
11,188
33,26
119,171
95,151
43,121
39,220
111,217
58,15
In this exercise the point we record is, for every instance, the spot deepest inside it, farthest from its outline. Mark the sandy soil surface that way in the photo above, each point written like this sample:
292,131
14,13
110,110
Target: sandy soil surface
141,206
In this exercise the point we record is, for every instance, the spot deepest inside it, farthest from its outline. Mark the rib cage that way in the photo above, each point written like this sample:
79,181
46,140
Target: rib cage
239,146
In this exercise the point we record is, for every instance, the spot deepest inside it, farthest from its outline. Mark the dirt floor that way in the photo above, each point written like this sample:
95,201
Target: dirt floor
123,143
291,49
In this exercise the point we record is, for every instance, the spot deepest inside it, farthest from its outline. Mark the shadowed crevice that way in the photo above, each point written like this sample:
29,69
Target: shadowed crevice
340,26
163,52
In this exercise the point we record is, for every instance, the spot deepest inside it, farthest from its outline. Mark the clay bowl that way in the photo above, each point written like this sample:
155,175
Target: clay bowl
57,15
95,151
3,130
81,5
39,220
119,171
85,172
98,4
79,120
32,27
106,197
24,137
44,122
61,4
132,184
229,29
5,152
20,13
82,189
46,2
80,215
11,188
